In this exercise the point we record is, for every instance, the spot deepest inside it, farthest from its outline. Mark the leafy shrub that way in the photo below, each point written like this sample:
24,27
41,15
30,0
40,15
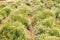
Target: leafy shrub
13,31
16,16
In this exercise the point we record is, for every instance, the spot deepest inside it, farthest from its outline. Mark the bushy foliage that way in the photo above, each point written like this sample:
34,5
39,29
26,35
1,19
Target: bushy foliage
13,31
44,19
43,16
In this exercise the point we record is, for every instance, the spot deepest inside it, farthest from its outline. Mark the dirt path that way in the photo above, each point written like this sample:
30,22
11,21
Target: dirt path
31,29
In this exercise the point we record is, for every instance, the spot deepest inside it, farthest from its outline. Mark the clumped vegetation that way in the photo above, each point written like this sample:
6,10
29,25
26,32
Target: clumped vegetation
30,20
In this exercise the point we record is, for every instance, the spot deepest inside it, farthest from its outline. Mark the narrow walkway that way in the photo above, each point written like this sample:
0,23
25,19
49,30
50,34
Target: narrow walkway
31,29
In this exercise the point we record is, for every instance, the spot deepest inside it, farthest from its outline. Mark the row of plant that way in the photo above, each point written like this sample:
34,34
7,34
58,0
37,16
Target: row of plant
15,20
